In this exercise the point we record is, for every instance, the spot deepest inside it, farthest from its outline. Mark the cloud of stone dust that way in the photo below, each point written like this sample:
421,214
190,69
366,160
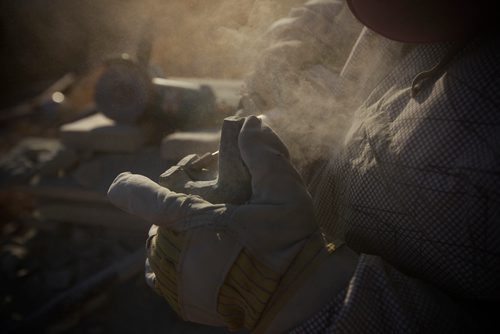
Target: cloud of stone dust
305,71
315,72
217,38
297,72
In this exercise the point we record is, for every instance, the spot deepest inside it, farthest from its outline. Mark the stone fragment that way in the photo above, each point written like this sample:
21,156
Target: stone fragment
35,155
227,92
180,144
101,134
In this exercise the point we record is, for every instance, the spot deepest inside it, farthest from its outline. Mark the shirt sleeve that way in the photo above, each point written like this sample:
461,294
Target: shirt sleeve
381,299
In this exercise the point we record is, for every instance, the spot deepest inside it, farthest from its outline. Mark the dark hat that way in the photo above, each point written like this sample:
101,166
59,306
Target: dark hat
417,21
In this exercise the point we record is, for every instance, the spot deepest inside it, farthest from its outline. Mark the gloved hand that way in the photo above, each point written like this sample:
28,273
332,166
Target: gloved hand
229,265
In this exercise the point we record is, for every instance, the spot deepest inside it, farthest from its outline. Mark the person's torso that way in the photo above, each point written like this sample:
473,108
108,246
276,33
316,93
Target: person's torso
418,179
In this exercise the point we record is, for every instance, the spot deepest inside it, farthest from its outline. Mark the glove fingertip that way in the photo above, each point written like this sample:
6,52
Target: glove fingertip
251,122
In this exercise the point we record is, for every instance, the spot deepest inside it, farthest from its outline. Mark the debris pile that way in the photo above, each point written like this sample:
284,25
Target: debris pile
69,260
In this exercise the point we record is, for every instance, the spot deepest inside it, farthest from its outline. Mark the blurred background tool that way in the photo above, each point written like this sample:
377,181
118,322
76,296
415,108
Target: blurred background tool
127,92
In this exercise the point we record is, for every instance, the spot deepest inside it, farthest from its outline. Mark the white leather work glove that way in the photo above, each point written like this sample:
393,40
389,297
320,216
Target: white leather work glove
234,265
